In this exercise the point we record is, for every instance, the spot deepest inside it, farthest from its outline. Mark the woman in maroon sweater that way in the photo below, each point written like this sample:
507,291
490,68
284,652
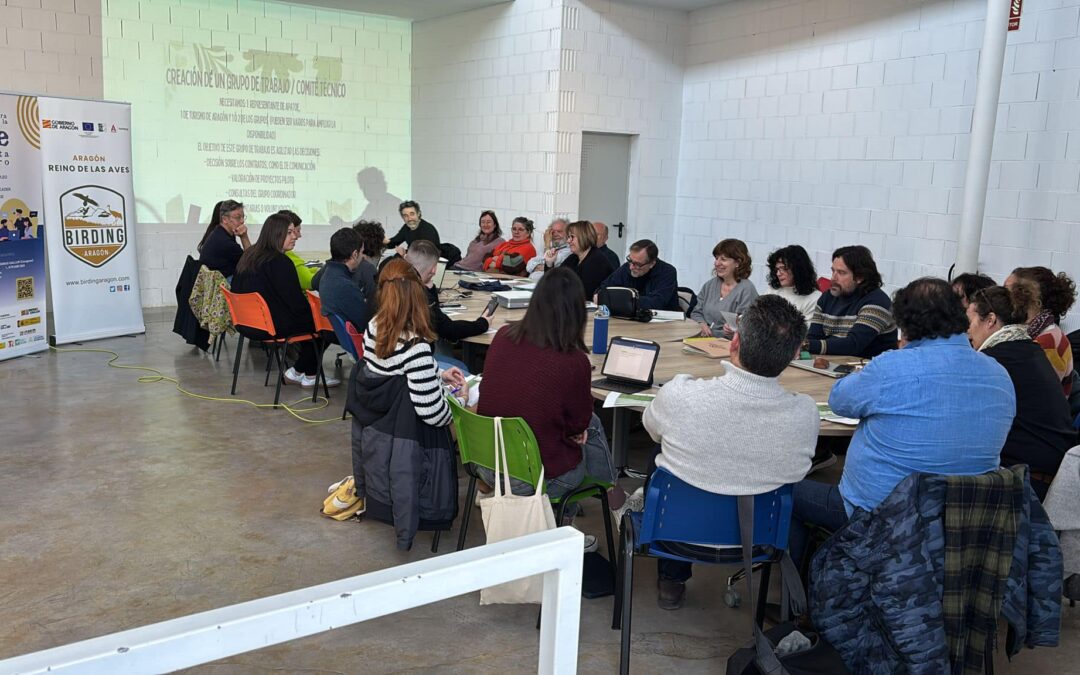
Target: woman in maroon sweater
537,368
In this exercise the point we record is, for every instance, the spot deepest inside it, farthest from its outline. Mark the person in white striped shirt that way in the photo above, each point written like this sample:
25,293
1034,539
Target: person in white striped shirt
398,341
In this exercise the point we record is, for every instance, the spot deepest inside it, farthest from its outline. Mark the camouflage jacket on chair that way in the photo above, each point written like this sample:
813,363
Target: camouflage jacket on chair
208,303
876,585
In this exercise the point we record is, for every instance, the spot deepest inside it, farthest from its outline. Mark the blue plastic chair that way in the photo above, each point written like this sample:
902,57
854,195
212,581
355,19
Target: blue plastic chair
679,513
343,335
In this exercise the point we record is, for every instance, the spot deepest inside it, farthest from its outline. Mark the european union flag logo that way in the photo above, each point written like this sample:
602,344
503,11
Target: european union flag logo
87,126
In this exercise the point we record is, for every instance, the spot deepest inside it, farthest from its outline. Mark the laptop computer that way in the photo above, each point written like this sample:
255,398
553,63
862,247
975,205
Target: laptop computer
440,274
628,367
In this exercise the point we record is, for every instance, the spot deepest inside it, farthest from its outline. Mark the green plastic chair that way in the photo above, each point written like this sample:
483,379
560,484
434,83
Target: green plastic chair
476,445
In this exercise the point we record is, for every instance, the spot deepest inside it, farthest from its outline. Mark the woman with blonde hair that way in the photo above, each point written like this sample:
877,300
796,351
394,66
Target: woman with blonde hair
585,260
403,459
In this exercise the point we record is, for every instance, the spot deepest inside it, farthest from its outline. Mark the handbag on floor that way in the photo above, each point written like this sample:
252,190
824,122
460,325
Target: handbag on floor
507,516
342,502
818,657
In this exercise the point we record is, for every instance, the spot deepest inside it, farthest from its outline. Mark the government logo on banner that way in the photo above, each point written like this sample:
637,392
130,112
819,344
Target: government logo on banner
95,226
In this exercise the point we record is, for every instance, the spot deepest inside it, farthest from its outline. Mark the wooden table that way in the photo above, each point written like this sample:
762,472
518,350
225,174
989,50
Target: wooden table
673,359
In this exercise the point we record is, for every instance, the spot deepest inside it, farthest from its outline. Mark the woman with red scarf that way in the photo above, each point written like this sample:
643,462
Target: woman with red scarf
510,257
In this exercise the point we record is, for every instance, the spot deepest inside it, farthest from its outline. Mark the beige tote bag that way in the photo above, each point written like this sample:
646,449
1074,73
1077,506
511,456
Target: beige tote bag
507,516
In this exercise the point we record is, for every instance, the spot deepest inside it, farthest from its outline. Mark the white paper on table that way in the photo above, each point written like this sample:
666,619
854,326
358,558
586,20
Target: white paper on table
452,313
827,415
619,400
732,320
491,331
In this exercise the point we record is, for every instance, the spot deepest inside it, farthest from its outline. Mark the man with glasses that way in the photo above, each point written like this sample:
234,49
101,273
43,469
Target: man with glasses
221,251
656,281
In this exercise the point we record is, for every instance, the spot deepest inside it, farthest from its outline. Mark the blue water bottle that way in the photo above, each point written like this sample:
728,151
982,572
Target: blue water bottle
599,330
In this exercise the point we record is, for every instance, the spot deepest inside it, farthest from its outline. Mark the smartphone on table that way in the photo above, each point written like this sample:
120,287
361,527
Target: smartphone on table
492,305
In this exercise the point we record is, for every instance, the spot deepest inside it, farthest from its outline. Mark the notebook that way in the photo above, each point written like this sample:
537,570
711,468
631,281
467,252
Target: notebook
628,366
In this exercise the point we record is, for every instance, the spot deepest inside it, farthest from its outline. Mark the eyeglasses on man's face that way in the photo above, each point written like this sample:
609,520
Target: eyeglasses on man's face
638,265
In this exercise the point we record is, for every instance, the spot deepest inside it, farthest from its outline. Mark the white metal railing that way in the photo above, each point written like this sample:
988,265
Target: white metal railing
209,636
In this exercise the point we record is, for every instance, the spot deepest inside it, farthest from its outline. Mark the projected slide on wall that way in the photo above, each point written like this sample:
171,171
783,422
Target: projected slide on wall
273,104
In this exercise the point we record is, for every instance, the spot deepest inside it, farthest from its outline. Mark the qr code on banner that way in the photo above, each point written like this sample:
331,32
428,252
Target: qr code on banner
24,288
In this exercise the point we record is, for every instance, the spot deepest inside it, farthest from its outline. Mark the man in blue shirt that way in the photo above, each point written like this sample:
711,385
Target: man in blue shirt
935,406
656,281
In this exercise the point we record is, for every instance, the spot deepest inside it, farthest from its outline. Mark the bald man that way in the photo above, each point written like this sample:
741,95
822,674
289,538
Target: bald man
601,245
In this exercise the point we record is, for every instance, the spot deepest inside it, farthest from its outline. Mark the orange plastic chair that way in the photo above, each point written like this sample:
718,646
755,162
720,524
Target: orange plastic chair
322,327
252,319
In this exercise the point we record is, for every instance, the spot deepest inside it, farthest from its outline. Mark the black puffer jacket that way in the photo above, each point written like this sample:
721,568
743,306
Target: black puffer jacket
404,468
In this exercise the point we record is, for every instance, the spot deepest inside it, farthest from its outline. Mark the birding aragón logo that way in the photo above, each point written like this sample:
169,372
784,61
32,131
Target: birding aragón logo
95,225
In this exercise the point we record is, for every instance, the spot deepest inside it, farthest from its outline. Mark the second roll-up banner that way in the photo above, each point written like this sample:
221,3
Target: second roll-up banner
89,205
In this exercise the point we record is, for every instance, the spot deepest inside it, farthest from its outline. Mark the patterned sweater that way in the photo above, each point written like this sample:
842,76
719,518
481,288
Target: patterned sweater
853,325
415,360
1058,350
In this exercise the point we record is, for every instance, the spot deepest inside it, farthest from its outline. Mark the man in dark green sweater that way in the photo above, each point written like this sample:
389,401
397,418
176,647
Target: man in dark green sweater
855,317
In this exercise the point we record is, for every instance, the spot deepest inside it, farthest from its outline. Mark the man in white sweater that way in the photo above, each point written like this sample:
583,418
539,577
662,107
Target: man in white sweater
740,434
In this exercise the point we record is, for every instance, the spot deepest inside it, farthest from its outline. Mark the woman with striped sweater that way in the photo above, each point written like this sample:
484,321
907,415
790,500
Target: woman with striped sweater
398,342
404,463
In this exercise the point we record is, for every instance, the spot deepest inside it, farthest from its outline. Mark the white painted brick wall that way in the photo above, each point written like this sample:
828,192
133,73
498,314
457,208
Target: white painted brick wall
877,152
485,101
626,77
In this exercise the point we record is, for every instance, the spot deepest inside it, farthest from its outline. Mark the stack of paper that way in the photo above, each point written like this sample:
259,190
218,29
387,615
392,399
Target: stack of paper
828,415
617,400
714,348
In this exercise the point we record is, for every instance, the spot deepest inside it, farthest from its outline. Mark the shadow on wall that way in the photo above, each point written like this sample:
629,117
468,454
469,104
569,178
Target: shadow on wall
382,206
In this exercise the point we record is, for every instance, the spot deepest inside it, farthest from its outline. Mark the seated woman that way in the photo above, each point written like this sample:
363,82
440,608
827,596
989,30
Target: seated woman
489,236
537,368
371,251
403,461
585,260
219,249
265,269
303,272
729,291
966,285
1041,432
792,276
510,257
1057,293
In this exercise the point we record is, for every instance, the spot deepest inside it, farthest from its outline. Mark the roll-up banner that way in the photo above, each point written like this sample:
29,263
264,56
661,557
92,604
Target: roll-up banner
22,246
90,208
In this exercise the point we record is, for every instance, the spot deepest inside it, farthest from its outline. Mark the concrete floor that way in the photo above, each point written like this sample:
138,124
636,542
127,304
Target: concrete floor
125,504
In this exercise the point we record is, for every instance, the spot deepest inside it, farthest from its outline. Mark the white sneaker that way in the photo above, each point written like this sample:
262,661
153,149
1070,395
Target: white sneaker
332,382
293,377
308,380
635,502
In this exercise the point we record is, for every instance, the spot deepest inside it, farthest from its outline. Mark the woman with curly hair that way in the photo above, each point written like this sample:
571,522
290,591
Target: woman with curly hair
1041,432
792,276
1057,293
